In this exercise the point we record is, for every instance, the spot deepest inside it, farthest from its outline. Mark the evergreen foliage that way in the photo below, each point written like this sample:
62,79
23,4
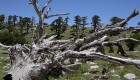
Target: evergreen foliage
132,45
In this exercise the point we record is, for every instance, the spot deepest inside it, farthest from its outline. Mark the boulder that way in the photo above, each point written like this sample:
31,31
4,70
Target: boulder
130,76
94,67
86,74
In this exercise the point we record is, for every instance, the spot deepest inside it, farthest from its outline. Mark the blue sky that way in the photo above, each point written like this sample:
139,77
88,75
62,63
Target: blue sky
104,8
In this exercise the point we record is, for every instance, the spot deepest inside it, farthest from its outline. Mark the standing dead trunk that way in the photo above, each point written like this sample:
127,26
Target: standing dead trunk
42,15
21,28
40,28
27,30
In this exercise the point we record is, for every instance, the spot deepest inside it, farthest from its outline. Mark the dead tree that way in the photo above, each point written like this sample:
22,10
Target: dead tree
42,15
123,22
36,61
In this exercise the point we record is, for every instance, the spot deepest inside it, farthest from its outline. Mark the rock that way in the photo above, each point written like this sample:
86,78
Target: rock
130,76
112,71
91,63
94,67
87,73
116,76
63,72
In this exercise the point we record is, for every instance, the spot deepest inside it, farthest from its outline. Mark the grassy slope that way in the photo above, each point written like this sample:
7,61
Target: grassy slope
4,61
84,68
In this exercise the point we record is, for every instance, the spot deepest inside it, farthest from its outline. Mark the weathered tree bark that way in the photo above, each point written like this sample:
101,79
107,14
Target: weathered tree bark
42,15
36,61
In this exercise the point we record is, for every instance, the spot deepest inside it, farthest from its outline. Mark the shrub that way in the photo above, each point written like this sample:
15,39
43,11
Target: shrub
132,45
10,38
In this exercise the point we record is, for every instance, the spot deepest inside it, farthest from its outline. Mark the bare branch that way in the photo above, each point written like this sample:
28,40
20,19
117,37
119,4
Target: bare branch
47,12
120,40
98,55
24,46
128,40
46,5
51,38
5,46
56,15
117,60
59,47
36,6
94,43
93,37
134,13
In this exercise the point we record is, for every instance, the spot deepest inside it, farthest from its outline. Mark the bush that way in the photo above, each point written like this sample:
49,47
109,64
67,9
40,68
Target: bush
132,45
115,33
10,38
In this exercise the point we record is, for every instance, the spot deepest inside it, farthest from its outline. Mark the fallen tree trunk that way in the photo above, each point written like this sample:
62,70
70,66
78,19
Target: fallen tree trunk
40,60
99,55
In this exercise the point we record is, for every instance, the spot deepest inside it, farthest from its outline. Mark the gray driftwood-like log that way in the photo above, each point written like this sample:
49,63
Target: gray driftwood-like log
36,61
42,15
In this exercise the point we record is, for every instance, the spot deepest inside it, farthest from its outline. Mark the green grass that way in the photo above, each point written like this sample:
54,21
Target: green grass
66,34
4,62
77,75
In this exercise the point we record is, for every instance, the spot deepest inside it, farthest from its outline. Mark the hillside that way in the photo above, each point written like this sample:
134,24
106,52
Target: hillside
92,68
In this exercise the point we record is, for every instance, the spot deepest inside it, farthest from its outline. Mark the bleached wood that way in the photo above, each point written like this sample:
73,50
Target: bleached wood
46,5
